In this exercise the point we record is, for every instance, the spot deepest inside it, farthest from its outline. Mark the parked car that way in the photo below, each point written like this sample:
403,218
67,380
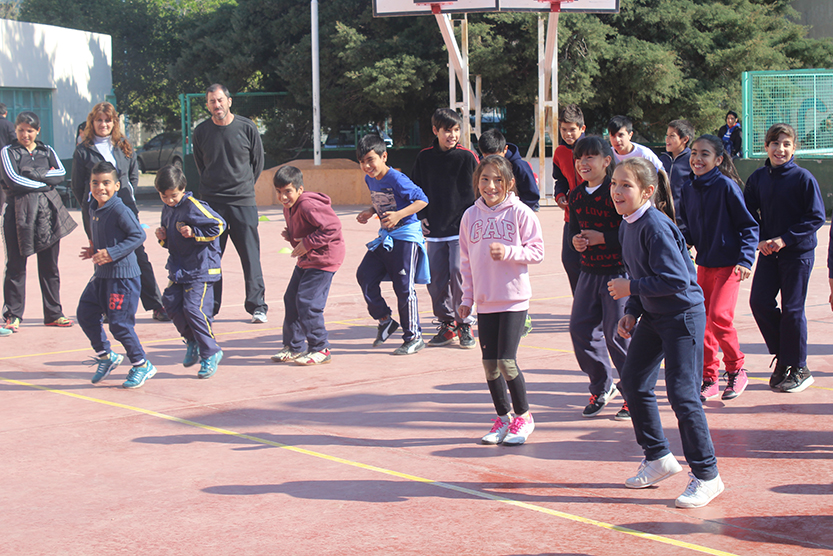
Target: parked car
345,137
164,149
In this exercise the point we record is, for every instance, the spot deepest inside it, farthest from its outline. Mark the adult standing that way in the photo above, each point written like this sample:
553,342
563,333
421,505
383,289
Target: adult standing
7,135
229,157
103,140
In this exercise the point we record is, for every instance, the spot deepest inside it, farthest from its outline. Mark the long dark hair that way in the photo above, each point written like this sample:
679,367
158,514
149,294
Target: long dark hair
594,145
726,166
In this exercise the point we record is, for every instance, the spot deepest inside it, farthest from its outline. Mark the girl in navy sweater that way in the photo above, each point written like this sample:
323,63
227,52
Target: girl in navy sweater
716,222
665,298
594,233
786,201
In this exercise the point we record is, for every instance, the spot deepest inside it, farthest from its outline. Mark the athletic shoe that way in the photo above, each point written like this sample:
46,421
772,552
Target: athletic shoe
709,390
61,322
411,346
208,365
623,414
698,493
445,335
500,429
12,324
527,327
737,384
384,331
598,402
286,355
652,472
139,375
192,354
519,430
161,315
105,364
466,339
5,332
798,379
779,375
315,358
259,317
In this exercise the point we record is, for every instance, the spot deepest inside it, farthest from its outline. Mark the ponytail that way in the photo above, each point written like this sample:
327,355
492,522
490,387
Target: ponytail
726,167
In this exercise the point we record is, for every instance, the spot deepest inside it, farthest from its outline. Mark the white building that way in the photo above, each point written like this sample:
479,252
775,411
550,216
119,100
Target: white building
57,73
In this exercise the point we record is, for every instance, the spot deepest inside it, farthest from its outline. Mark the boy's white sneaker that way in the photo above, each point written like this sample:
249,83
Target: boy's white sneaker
499,431
652,472
698,493
519,430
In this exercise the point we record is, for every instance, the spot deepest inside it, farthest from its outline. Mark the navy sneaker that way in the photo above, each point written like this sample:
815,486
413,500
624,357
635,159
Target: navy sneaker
139,375
208,366
192,354
105,364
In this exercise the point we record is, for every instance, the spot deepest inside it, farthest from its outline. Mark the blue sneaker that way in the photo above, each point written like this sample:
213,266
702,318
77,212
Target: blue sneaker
192,354
208,366
138,375
105,365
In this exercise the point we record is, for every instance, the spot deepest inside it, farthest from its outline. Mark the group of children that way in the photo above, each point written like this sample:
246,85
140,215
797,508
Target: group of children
467,228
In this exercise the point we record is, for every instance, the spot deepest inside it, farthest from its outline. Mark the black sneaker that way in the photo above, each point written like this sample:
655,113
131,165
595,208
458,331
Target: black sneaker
623,414
466,339
410,347
598,402
779,375
798,379
384,331
161,315
445,335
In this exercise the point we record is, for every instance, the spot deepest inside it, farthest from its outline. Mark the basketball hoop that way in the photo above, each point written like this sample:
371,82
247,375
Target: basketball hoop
436,7
555,5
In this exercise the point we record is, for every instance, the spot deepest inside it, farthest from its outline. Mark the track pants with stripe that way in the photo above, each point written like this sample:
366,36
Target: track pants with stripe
190,307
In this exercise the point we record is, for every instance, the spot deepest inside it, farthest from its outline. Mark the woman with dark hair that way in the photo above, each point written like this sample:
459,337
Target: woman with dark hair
34,221
730,134
103,139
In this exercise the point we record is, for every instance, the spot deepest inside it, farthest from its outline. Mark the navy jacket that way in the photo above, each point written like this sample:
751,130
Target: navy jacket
663,278
679,174
114,227
525,182
195,259
717,223
786,201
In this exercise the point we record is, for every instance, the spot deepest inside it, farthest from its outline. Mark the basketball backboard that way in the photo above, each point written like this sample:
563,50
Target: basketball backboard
390,8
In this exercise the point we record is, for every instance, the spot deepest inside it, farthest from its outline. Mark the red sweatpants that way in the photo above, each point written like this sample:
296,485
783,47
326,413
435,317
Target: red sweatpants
720,288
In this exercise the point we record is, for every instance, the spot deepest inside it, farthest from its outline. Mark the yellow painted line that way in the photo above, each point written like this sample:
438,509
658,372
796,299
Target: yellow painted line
382,470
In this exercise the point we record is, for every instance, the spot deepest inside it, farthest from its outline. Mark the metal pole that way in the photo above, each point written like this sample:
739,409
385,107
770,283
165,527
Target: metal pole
542,108
464,35
316,87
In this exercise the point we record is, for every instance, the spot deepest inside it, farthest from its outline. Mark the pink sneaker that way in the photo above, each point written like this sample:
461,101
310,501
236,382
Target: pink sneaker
709,390
519,430
737,384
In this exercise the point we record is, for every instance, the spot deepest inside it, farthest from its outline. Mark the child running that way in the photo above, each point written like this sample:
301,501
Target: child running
114,289
716,222
594,233
499,237
786,201
665,298
190,231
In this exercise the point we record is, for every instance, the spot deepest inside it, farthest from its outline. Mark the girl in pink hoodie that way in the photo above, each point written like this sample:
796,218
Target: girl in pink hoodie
499,237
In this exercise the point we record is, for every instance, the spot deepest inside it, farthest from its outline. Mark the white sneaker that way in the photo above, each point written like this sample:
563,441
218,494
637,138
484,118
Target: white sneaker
652,472
698,493
499,431
519,430
259,317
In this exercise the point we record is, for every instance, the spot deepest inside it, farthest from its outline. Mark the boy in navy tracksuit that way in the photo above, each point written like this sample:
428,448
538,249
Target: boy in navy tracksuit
116,285
675,160
786,201
190,231
444,172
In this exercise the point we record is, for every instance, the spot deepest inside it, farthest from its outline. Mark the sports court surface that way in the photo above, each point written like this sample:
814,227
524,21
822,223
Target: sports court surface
376,454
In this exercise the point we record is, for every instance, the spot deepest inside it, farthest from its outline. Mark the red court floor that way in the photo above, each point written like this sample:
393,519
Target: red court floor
376,454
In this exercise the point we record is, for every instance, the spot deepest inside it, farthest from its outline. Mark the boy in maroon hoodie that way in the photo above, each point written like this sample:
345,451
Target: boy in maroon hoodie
314,231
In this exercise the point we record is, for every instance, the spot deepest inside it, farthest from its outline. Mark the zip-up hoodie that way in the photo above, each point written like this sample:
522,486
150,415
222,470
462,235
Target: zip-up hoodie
195,259
115,228
526,182
312,220
499,286
679,174
786,201
717,222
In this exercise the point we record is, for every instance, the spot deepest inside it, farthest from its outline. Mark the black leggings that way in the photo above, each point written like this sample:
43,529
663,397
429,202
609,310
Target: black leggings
500,334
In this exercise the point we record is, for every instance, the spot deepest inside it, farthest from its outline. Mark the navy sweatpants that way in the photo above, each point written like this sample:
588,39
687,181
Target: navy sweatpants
190,307
784,329
398,264
304,302
118,298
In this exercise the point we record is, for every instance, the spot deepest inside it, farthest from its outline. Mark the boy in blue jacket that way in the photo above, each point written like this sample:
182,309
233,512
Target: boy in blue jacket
190,230
116,285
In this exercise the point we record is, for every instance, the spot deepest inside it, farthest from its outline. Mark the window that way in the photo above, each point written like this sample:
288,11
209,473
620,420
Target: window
38,101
